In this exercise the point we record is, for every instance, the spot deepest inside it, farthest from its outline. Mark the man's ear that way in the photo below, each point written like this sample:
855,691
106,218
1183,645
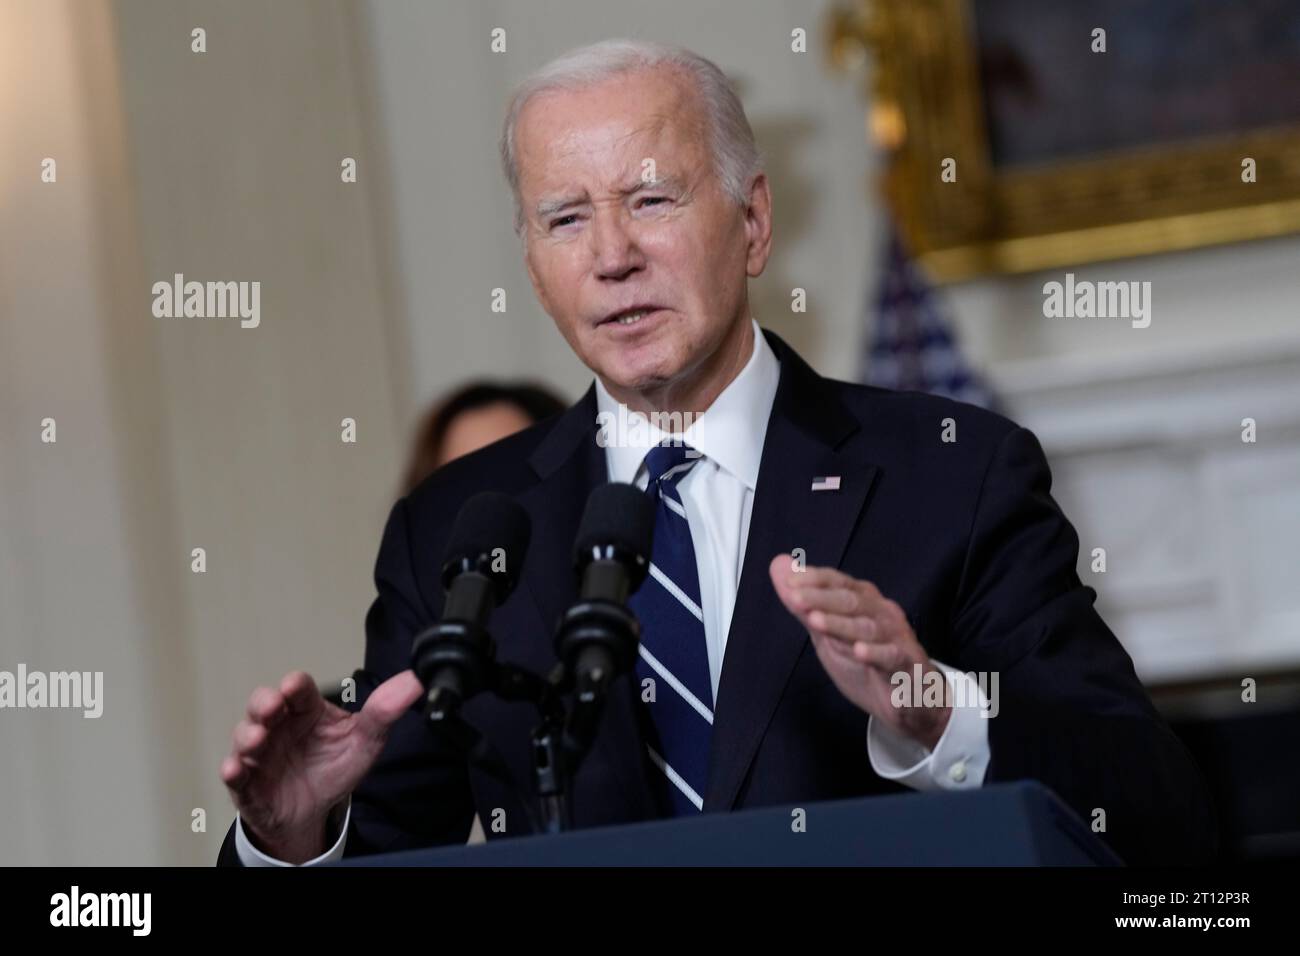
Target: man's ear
758,226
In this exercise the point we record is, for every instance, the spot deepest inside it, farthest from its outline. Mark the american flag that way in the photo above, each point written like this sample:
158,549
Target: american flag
912,345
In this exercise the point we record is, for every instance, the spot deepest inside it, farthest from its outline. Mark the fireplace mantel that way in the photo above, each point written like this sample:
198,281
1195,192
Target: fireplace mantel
1200,528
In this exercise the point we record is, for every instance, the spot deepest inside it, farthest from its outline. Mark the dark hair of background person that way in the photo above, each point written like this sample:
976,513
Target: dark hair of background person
535,401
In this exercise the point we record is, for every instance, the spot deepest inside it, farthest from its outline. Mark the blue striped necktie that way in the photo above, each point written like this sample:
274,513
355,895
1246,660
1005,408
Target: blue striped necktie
673,653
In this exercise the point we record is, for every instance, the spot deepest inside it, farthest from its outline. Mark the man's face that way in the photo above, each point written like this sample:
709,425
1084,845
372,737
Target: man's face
622,208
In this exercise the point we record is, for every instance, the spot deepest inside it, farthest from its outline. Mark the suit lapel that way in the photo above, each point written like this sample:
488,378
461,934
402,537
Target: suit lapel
570,464
807,436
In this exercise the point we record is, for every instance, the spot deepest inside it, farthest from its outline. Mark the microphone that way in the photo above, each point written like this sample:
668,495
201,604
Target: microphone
484,555
598,636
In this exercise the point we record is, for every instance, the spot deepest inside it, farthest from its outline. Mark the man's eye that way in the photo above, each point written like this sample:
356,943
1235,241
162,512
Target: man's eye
562,221
655,199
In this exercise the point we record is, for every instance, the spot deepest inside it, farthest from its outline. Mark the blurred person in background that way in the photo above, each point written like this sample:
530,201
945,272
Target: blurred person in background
472,417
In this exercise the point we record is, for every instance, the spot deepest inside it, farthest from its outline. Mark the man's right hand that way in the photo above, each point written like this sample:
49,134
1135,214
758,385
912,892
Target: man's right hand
295,756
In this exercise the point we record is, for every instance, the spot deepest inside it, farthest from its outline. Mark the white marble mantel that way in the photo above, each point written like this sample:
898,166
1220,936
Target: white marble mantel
1201,530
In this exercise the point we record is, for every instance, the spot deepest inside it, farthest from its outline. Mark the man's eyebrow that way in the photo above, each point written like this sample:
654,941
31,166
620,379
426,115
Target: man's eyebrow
549,207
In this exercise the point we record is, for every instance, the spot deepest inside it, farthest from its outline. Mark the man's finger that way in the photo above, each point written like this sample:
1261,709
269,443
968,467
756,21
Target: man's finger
847,601
818,578
266,706
230,770
886,656
392,698
784,580
811,576
249,738
846,627
859,598
300,693
233,773
803,602
811,580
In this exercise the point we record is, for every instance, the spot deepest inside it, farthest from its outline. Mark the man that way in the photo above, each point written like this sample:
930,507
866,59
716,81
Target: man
822,539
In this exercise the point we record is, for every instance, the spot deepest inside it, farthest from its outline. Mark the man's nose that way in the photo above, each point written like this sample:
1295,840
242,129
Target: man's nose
614,247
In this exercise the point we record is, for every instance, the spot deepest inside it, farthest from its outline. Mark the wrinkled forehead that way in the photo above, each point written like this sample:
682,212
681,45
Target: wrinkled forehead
607,132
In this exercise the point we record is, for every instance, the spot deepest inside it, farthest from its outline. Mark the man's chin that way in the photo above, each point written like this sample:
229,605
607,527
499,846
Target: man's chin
636,373
625,382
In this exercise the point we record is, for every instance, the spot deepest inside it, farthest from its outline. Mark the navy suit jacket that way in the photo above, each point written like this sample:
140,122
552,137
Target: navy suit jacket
964,535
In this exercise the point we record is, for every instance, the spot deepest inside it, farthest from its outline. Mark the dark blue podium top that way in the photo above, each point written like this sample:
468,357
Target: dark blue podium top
1012,824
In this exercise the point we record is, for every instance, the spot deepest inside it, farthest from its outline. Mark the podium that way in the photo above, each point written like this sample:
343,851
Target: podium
1011,824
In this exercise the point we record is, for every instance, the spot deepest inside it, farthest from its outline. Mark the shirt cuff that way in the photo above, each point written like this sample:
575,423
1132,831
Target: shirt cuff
959,759
250,855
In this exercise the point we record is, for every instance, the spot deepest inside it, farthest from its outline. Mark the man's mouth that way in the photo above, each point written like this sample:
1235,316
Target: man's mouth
627,317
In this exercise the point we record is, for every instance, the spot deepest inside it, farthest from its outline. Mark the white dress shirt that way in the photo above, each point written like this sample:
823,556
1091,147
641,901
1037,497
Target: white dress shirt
718,495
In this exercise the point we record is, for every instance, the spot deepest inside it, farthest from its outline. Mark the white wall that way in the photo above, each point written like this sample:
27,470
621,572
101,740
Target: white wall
181,433
85,583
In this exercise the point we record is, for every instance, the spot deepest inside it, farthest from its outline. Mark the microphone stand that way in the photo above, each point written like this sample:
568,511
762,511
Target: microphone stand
596,641
559,742
550,766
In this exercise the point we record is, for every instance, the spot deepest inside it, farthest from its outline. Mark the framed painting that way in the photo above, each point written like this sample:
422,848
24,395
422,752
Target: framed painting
1024,134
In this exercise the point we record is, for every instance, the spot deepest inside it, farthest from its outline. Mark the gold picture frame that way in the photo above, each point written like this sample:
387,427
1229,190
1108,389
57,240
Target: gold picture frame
927,106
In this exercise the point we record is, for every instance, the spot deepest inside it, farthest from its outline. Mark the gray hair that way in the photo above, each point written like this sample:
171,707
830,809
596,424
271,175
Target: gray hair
736,159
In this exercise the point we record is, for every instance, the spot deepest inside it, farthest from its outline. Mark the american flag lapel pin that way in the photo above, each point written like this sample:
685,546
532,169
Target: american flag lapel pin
827,483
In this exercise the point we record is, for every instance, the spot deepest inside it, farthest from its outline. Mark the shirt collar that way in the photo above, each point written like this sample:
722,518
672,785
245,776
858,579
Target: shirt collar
730,432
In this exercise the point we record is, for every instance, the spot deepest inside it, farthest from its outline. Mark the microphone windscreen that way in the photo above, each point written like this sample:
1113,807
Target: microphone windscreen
488,521
617,514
